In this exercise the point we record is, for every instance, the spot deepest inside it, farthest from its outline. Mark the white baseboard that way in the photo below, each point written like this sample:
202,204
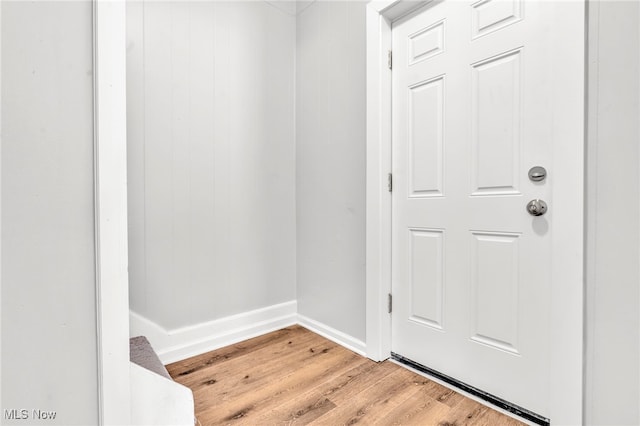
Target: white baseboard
176,345
330,333
182,343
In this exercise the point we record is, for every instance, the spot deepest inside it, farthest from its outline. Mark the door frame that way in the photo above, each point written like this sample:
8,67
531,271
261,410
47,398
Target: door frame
566,333
110,201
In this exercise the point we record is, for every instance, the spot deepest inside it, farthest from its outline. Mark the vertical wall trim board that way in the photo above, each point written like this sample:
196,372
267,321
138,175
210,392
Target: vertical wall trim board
295,155
96,229
591,177
1,133
144,156
110,192
378,264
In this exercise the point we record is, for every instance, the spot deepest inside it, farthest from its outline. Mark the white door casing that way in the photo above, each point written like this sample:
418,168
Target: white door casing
554,96
110,169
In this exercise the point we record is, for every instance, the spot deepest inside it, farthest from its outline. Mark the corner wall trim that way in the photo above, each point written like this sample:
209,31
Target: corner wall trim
181,343
334,335
110,211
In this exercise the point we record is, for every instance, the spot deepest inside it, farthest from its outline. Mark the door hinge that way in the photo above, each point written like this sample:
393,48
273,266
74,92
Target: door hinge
390,60
390,307
390,182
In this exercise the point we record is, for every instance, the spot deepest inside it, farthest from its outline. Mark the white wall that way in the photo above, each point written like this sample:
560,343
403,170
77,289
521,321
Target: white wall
613,216
330,137
48,277
211,159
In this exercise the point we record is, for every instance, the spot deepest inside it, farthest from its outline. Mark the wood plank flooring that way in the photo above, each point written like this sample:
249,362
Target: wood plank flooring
293,376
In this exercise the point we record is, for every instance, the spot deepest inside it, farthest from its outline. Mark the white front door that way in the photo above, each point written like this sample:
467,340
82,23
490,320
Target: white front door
473,112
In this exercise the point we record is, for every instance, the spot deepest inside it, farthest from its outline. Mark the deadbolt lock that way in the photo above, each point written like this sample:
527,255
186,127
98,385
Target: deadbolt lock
537,174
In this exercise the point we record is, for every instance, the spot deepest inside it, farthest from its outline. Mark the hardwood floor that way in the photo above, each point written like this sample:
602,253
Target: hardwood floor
294,376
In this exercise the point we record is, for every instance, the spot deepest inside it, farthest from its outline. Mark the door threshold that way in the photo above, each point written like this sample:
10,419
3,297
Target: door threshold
485,396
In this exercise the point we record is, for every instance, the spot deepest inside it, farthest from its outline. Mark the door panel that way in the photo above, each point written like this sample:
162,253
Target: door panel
494,289
471,268
495,124
426,138
426,279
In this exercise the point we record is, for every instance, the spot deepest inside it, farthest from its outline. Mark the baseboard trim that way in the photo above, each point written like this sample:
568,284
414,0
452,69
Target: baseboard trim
334,335
178,344
181,343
